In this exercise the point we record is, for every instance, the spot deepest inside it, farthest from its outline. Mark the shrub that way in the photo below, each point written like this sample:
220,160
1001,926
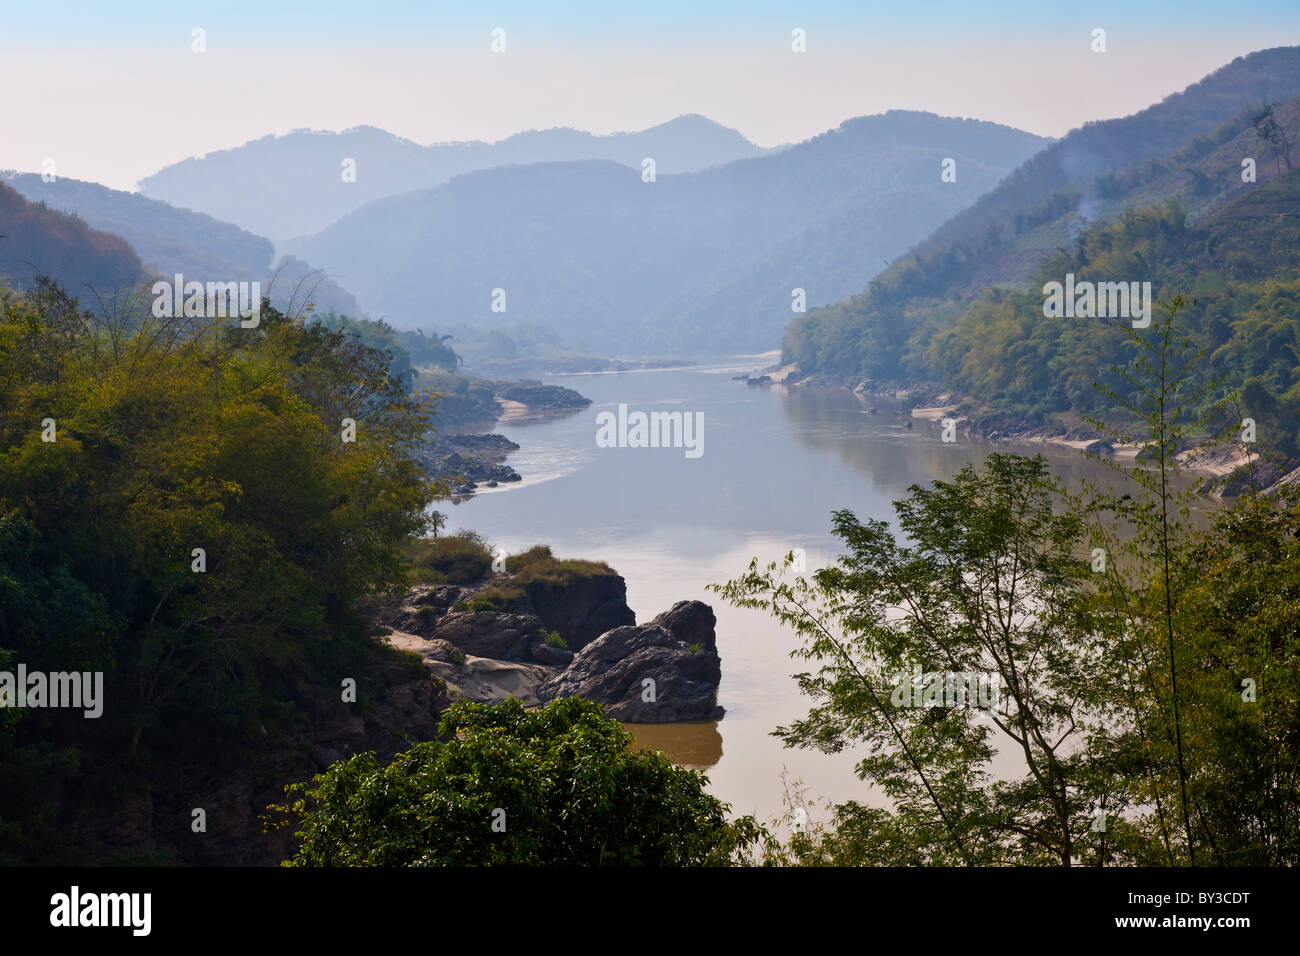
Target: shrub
410,662
501,597
553,639
537,566
461,558
556,786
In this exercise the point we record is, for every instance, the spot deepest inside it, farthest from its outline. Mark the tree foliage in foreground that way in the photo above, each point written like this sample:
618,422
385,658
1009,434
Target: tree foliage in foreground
1150,669
507,786
171,435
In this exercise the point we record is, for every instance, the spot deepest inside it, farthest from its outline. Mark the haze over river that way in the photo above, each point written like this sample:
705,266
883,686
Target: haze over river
775,464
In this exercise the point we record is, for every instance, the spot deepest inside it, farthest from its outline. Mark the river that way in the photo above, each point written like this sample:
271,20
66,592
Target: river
775,463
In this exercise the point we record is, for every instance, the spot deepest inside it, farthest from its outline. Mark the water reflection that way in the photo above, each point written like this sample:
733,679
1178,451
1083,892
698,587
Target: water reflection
695,744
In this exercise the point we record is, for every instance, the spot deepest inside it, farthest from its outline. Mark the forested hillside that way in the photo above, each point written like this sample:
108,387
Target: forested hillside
178,511
171,240
1240,266
1188,149
37,241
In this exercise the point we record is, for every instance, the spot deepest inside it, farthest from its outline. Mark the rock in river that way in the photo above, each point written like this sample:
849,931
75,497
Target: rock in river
662,672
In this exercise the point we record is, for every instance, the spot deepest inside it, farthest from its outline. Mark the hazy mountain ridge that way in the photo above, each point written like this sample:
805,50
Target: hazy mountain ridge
158,230
171,240
293,185
687,263
1160,130
36,241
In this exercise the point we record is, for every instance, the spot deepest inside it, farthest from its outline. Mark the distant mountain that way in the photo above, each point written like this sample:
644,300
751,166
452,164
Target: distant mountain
691,263
1186,148
293,185
36,240
171,240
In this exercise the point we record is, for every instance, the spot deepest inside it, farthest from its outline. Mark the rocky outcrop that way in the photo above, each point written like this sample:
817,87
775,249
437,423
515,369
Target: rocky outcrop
420,609
482,679
467,461
475,406
468,677
554,656
582,610
503,636
691,622
662,672
538,397
479,400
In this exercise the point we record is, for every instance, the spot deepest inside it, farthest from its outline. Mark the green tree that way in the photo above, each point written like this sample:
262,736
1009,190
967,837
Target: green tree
990,586
1152,691
506,786
1239,620
198,529
1170,406
1269,130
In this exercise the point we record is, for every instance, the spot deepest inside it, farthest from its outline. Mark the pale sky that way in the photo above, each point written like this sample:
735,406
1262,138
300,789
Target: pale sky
113,92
